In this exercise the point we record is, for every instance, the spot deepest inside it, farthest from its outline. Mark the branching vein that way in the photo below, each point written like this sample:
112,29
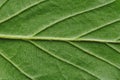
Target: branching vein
64,60
21,11
17,67
96,56
68,17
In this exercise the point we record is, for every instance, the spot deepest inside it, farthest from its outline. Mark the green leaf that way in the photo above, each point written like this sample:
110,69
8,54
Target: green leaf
59,40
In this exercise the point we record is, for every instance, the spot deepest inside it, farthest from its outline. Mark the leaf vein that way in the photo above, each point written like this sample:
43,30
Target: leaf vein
4,3
17,37
63,60
98,57
21,11
15,66
68,17
112,47
98,28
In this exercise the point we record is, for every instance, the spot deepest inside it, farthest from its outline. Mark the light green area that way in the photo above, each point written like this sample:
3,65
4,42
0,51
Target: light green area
2,2
59,40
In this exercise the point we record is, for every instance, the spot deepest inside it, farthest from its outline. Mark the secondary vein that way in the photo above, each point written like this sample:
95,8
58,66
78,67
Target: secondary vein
96,56
98,28
4,3
21,11
14,65
68,17
63,60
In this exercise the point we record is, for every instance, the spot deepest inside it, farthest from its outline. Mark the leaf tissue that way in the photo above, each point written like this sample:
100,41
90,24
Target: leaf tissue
59,39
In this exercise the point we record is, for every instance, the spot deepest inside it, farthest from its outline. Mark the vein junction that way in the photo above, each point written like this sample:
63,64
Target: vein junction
56,39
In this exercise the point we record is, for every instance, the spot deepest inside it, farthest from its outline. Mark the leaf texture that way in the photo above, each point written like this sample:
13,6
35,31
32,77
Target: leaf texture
59,40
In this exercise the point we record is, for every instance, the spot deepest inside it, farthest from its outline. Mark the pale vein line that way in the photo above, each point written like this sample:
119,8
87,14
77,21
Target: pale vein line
96,56
113,47
55,39
63,60
118,38
68,17
4,3
98,28
15,66
21,11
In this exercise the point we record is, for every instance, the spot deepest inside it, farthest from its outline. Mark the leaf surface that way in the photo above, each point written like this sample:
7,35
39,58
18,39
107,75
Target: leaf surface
59,40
